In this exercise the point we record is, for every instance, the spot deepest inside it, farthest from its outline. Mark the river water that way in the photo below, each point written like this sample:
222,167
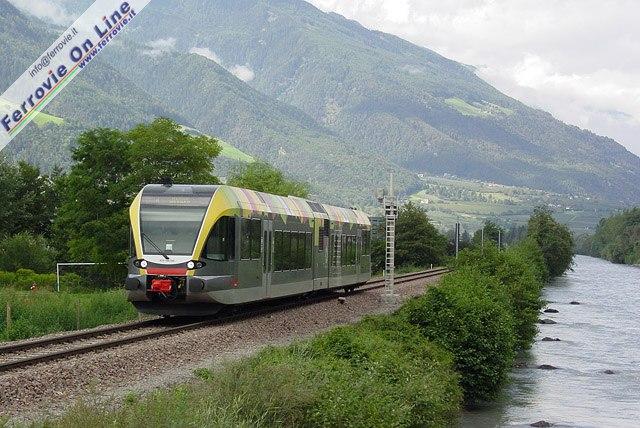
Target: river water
601,333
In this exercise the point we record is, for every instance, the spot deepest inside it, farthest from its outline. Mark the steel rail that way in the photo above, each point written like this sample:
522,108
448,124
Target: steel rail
113,343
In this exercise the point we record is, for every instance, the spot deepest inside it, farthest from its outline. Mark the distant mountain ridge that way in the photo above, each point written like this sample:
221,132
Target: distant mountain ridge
350,102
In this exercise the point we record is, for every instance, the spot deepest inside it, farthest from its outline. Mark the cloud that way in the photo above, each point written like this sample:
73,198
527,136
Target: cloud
578,59
44,9
160,47
242,72
207,53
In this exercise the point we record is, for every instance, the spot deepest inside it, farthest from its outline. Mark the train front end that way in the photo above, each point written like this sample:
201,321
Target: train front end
166,222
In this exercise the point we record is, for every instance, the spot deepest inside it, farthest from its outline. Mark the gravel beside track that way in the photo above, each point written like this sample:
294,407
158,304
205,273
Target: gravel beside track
106,376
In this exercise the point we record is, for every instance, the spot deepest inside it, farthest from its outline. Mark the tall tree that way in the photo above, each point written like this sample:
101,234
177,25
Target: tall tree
29,200
110,167
162,150
418,242
263,177
492,232
92,223
617,238
554,239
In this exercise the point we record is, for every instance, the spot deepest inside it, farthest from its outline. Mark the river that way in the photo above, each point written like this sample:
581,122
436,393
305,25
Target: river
601,333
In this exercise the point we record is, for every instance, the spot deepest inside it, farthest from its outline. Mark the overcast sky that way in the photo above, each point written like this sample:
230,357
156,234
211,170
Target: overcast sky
577,59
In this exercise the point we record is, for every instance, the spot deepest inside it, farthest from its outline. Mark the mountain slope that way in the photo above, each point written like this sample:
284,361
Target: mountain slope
124,87
100,96
389,97
219,104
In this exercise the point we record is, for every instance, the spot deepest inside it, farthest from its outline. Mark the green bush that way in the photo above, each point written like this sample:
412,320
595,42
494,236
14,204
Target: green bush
531,252
469,315
519,271
26,251
554,239
617,238
379,373
42,312
23,279
394,377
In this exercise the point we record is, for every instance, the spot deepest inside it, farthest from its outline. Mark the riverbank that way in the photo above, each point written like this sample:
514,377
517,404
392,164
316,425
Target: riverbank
597,336
615,239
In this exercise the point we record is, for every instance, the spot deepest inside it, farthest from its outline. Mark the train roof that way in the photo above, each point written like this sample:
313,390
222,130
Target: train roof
291,205
253,201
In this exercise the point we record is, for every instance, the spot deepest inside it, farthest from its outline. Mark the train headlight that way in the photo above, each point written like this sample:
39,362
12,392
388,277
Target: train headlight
195,264
139,263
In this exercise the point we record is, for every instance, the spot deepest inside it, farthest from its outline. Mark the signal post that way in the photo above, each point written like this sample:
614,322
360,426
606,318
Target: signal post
390,204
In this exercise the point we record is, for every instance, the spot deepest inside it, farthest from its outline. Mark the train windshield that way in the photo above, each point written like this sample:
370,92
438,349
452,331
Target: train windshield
170,220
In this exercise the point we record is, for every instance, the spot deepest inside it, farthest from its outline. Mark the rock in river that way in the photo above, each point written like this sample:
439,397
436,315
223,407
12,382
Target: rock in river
551,311
608,371
542,424
546,321
550,339
547,367
574,303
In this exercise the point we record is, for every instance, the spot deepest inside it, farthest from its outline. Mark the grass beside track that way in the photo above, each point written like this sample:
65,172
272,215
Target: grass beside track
379,372
36,313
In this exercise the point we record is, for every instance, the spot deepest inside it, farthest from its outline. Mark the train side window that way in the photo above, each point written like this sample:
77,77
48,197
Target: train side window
346,257
345,250
277,250
366,242
245,239
286,251
295,250
302,250
221,243
256,232
293,261
353,251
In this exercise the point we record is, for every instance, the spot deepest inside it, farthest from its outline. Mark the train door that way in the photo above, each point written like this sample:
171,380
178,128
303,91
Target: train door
267,255
358,251
321,255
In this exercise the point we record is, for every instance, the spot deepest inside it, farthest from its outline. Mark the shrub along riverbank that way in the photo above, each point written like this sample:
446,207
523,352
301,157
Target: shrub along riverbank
453,346
616,239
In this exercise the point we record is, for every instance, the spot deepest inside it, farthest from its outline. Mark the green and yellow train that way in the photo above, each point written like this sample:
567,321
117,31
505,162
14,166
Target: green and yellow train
199,248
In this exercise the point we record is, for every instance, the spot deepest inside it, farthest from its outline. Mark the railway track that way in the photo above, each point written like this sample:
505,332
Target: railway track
16,355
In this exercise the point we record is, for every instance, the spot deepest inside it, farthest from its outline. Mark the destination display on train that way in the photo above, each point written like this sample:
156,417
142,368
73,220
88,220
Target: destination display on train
176,200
